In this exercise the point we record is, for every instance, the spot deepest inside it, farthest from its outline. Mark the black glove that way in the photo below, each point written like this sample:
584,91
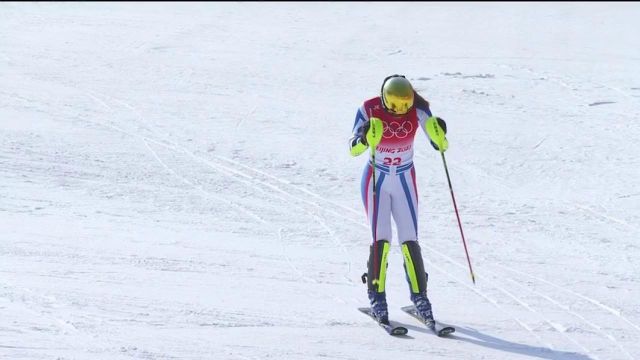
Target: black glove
443,125
362,132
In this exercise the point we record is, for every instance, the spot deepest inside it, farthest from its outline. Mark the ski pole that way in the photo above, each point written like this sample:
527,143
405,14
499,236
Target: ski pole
455,207
373,138
437,135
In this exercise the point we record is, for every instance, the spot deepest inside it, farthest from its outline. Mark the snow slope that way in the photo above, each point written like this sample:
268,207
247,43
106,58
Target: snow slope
176,184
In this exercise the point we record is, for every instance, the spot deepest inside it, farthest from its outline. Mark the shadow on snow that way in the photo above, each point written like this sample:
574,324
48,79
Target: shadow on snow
488,341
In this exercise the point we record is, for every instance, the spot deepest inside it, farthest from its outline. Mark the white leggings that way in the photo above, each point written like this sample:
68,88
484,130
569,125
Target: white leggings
397,195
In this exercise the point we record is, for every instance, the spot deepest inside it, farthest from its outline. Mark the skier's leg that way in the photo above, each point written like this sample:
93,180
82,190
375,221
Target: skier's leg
417,278
379,215
405,214
414,267
404,206
376,279
378,211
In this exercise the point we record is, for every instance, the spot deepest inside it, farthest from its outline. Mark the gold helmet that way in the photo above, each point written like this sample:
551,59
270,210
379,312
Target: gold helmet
397,95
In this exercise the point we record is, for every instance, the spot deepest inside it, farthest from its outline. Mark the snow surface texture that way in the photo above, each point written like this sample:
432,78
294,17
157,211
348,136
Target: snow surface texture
176,184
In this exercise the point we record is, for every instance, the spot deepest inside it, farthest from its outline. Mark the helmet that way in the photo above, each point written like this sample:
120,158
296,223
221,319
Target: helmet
397,95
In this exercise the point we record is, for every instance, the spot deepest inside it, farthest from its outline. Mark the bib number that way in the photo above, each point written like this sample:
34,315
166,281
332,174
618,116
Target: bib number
392,161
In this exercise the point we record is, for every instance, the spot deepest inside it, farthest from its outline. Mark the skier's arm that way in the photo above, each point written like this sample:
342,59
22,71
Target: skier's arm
424,113
358,141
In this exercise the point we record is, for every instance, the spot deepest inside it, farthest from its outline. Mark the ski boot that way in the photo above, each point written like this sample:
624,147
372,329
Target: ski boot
417,279
375,278
423,307
378,306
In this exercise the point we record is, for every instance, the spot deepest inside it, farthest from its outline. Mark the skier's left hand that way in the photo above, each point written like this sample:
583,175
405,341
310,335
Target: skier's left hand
445,147
442,125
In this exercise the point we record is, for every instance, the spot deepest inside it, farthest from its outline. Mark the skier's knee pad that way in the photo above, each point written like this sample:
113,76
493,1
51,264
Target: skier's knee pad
377,266
414,267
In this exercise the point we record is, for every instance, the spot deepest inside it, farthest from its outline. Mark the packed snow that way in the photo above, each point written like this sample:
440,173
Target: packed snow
175,180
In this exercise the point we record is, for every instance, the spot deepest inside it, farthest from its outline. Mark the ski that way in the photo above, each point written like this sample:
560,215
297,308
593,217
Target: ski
389,328
436,327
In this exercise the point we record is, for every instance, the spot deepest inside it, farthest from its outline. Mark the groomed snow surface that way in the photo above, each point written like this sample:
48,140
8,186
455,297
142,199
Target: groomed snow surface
175,181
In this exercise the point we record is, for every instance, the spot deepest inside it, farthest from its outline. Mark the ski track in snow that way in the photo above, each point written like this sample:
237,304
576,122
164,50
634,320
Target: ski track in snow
609,309
146,141
244,177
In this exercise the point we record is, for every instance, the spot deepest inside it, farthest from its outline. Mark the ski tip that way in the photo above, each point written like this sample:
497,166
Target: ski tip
446,331
399,331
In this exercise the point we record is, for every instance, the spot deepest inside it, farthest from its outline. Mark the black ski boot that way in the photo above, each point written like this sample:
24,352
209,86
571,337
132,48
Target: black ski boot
417,279
423,307
378,306
376,278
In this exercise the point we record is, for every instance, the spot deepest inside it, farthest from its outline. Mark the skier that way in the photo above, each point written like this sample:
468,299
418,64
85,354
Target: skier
401,111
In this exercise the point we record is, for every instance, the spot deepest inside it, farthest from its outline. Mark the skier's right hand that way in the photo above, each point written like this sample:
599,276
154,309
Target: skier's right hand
374,133
362,132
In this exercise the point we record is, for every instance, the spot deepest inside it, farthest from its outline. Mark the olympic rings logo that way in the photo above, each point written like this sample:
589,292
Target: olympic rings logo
395,129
